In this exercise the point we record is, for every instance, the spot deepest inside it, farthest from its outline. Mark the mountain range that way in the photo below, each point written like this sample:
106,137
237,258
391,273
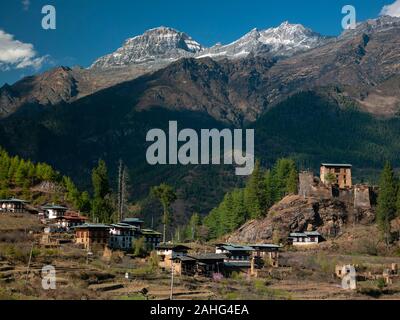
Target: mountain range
311,97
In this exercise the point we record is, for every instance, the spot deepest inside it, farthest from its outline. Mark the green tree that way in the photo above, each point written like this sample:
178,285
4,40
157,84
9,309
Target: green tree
84,203
283,171
386,207
139,247
330,178
254,194
269,189
166,195
194,224
102,207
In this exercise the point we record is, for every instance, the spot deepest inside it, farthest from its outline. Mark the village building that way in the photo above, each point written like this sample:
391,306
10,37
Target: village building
135,222
152,238
305,238
205,265
237,257
92,235
13,205
168,252
183,265
208,264
266,254
70,220
54,211
235,253
122,236
341,172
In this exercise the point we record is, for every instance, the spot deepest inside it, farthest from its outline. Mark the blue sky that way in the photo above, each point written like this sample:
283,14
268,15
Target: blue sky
88,29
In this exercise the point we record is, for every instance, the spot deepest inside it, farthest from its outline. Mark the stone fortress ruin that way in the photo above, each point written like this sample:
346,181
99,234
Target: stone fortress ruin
342,188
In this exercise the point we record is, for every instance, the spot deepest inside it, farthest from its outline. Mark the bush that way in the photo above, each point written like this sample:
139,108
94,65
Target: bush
139,247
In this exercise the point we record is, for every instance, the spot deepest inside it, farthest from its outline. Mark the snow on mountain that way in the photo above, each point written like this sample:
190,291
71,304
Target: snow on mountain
285,40
163,45
154,45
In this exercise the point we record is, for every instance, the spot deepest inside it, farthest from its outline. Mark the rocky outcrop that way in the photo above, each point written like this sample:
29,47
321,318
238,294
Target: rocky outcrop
298,214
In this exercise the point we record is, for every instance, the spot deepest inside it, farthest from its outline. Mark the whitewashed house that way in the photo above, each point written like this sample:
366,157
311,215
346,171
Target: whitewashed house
305,238
122,236
13,205
52,212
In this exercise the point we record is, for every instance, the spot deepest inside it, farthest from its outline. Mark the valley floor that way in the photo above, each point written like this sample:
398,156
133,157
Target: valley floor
303,274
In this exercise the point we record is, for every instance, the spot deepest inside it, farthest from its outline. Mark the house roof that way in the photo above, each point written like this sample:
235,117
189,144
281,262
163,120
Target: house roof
132,220
150,232
312,233
13,200
235,247
298,234
170,246
55,207
340,165
184,258
122,226
305,234
264,246
92,226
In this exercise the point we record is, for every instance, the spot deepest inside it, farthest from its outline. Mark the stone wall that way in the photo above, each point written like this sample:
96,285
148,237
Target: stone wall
310,186
359,195
362,197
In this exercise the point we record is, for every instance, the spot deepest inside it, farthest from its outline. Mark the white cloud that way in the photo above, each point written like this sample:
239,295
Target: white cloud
26,4
391,9
15,54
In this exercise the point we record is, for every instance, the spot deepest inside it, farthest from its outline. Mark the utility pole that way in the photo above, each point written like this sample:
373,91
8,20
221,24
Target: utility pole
29,262
172,280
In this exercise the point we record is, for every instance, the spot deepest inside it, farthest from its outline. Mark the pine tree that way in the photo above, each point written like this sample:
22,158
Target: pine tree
102,207
386,208
292,180
166,195
255,193
269,189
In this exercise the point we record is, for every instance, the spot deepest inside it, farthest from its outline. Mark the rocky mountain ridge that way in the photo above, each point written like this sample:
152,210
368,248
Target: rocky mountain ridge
363,63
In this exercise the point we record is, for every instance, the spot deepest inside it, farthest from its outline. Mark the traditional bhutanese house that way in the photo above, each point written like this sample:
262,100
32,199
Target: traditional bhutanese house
152,238
92,235
122,236
235,252
69,220
341,172
203,265
167,252
54,211
13,205
266,253
237,257
209,263
305,238
184,265
135,222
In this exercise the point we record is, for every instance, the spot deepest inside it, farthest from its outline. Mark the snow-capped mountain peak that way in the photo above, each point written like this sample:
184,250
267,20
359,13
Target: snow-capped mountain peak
160,46
284,40
162,43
